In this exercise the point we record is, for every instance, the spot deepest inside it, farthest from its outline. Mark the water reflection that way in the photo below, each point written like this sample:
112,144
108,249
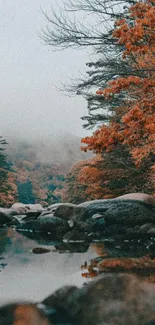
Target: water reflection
32,277
28,276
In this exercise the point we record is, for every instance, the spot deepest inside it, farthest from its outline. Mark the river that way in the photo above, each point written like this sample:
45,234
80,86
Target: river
28,276
32,277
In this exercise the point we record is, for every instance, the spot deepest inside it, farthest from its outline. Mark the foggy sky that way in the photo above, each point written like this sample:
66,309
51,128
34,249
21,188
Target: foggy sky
30,73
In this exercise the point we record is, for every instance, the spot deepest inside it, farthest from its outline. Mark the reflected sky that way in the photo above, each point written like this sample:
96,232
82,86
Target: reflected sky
33,277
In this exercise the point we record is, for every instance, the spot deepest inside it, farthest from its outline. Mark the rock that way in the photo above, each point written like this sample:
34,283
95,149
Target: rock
97,223
84,226
151,250
20,217
35,207
33,213
46,213
97,216
5,218
46,216
75,235
69,211
32,226
146,198
126,248
151,231
22,208
138,196
40,250
56,226
21,314
61,209
144,228
10,212
131,215
75,247
54,206
60,296
124,212
30,216
109,299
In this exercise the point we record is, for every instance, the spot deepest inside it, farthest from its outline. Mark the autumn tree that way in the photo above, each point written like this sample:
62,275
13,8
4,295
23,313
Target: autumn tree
89,24
106,175
135,127
8,188
123,107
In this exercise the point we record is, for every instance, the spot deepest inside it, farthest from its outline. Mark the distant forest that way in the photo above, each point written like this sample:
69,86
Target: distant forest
36,171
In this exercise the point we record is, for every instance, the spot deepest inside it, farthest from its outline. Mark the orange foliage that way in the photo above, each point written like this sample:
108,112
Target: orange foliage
103,177
136,128
9,193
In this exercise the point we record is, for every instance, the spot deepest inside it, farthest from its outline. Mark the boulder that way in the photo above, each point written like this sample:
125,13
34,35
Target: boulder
131,215
40,250
21,314
5,217
29,226
109,299
138,196
54,206
68,211
9,211
56,226
22,208
146,198
35,207
121,212
75,235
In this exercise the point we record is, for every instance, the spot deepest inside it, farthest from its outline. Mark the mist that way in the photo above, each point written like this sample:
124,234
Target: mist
31,75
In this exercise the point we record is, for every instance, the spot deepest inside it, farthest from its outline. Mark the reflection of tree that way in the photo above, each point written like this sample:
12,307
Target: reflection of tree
131,257
91,268
5,241
72,247
99,248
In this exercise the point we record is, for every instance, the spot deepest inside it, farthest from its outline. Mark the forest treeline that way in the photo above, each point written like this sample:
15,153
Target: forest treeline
119,88
35,171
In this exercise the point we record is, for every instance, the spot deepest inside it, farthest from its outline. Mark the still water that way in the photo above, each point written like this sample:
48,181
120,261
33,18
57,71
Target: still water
28,276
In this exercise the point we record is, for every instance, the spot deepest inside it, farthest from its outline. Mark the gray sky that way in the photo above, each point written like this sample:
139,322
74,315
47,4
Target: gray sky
30,73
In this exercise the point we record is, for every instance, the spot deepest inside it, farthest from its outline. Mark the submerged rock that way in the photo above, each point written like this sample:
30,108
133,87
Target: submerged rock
40,250
6,216
75,235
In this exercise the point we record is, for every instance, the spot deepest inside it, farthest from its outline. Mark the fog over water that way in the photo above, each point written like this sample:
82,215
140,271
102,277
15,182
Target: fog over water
31,73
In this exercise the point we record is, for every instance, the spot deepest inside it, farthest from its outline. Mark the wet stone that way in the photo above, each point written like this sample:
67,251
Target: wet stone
151,231
40,250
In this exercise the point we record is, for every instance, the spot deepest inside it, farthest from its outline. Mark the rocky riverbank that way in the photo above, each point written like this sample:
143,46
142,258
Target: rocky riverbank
128,216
